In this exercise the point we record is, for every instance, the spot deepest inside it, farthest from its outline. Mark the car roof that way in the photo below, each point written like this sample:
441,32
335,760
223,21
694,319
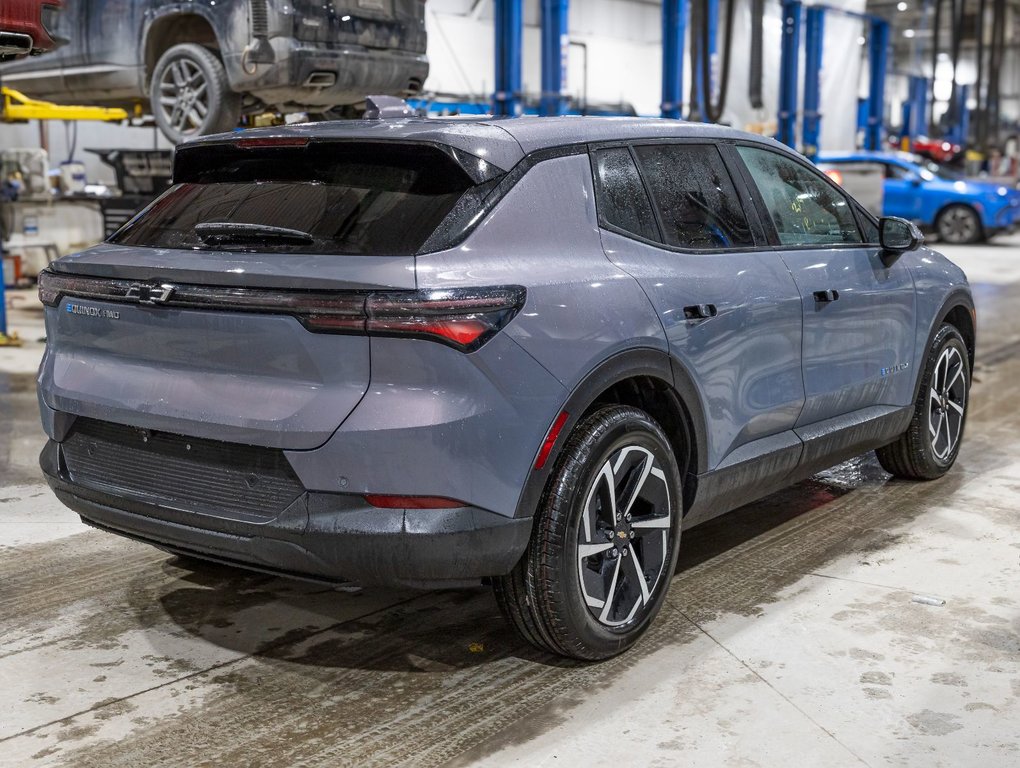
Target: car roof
501,141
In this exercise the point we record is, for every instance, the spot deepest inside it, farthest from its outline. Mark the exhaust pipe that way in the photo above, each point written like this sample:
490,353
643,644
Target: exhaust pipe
15,43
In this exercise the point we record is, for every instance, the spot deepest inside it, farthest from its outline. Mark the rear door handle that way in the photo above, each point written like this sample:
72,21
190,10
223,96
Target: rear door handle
700,311
823,297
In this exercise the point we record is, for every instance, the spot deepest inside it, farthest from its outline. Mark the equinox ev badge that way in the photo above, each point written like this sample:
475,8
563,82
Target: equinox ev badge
150,294
81,309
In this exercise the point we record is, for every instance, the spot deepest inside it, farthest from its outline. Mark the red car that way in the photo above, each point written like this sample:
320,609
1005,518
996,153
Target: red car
939,150
25,27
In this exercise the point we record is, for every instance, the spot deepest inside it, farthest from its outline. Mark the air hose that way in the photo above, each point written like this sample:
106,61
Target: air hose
700,54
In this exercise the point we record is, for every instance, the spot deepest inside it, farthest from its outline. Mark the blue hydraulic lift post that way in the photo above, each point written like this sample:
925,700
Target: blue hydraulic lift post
712,8
918,98
789,53
509,30
878,42
555,48
814,34
674,27
3,297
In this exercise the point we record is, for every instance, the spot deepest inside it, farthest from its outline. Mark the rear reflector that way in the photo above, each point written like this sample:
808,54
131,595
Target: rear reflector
412,502
271,142
550,439
462,318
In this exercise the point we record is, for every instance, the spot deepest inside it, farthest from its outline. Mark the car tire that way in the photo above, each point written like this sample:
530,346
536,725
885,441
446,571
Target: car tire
959,225
190,95
931,443
604,544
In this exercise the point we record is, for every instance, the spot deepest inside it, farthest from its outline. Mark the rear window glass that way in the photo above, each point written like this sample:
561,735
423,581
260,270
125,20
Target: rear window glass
324,198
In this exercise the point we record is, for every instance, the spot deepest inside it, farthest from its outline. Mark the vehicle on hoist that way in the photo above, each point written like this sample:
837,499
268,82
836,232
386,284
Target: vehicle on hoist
958,209
201,65
529,351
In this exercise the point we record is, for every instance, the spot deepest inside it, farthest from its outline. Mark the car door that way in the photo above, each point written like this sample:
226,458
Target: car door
113,38
858,312
902,193
672,217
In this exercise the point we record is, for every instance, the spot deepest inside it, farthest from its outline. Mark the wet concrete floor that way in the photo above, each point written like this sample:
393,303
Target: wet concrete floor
792,634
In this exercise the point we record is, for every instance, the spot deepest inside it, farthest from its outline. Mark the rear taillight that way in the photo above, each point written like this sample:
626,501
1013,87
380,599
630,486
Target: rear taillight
463,318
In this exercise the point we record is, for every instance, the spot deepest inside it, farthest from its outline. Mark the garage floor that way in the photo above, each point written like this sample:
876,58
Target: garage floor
807,629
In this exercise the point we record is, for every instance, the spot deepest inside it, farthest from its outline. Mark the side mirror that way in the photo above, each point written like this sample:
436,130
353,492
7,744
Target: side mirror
897,236
915,181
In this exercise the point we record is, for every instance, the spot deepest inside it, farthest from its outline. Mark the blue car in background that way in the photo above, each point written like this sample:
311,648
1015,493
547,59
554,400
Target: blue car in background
958,209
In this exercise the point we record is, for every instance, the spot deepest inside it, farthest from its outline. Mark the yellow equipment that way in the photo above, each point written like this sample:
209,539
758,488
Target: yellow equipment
17,107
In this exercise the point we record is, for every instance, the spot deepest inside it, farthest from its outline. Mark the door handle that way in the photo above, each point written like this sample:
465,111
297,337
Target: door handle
823,297
700,311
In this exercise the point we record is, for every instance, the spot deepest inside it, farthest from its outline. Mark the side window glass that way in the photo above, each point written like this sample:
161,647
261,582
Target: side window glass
695,197
895,171
620,196
805,207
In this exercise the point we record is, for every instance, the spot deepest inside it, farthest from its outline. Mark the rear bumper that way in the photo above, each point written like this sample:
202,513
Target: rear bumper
358,72
320,536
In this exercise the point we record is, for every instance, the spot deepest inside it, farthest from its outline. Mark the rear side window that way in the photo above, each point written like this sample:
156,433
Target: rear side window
694,195
620,196
323,198
805,207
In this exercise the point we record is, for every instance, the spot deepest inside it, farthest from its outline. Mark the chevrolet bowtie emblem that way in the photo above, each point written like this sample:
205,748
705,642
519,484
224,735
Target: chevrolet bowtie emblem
150,294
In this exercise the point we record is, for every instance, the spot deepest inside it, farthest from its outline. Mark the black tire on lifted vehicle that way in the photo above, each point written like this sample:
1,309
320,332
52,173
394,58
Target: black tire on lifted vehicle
190,94
604,544
931,443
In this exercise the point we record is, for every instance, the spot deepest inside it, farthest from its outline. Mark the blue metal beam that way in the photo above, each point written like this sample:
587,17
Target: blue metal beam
712,9
555,49
674,28
3,298
814,36
509,30
878,44
788,73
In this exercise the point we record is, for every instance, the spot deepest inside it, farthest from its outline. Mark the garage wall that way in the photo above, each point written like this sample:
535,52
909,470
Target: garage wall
624,42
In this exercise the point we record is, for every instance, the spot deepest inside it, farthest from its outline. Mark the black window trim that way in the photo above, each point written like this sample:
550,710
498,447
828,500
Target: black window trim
856,208
751,213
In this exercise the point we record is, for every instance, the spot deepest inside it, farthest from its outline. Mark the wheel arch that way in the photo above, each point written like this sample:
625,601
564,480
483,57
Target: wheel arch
957,309
648,379
173,27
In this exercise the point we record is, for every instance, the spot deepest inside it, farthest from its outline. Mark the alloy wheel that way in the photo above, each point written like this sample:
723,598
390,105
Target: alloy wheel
947,401
184,96
958,225
623,536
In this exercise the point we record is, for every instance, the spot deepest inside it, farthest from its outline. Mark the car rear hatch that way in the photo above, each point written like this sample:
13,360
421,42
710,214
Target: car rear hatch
235,307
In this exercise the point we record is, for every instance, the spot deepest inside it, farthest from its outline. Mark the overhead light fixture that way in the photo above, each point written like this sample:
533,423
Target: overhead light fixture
861,40
901,6
908,33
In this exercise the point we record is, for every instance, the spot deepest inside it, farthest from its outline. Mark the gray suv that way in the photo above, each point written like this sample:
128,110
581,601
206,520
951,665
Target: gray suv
198,65
524,351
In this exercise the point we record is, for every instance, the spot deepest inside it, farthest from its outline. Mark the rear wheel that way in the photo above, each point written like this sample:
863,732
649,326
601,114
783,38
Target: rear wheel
930,445
190,94
959,224
604,545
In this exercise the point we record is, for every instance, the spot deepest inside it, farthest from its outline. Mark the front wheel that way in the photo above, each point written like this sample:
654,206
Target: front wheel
930,445
604,546
959,225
